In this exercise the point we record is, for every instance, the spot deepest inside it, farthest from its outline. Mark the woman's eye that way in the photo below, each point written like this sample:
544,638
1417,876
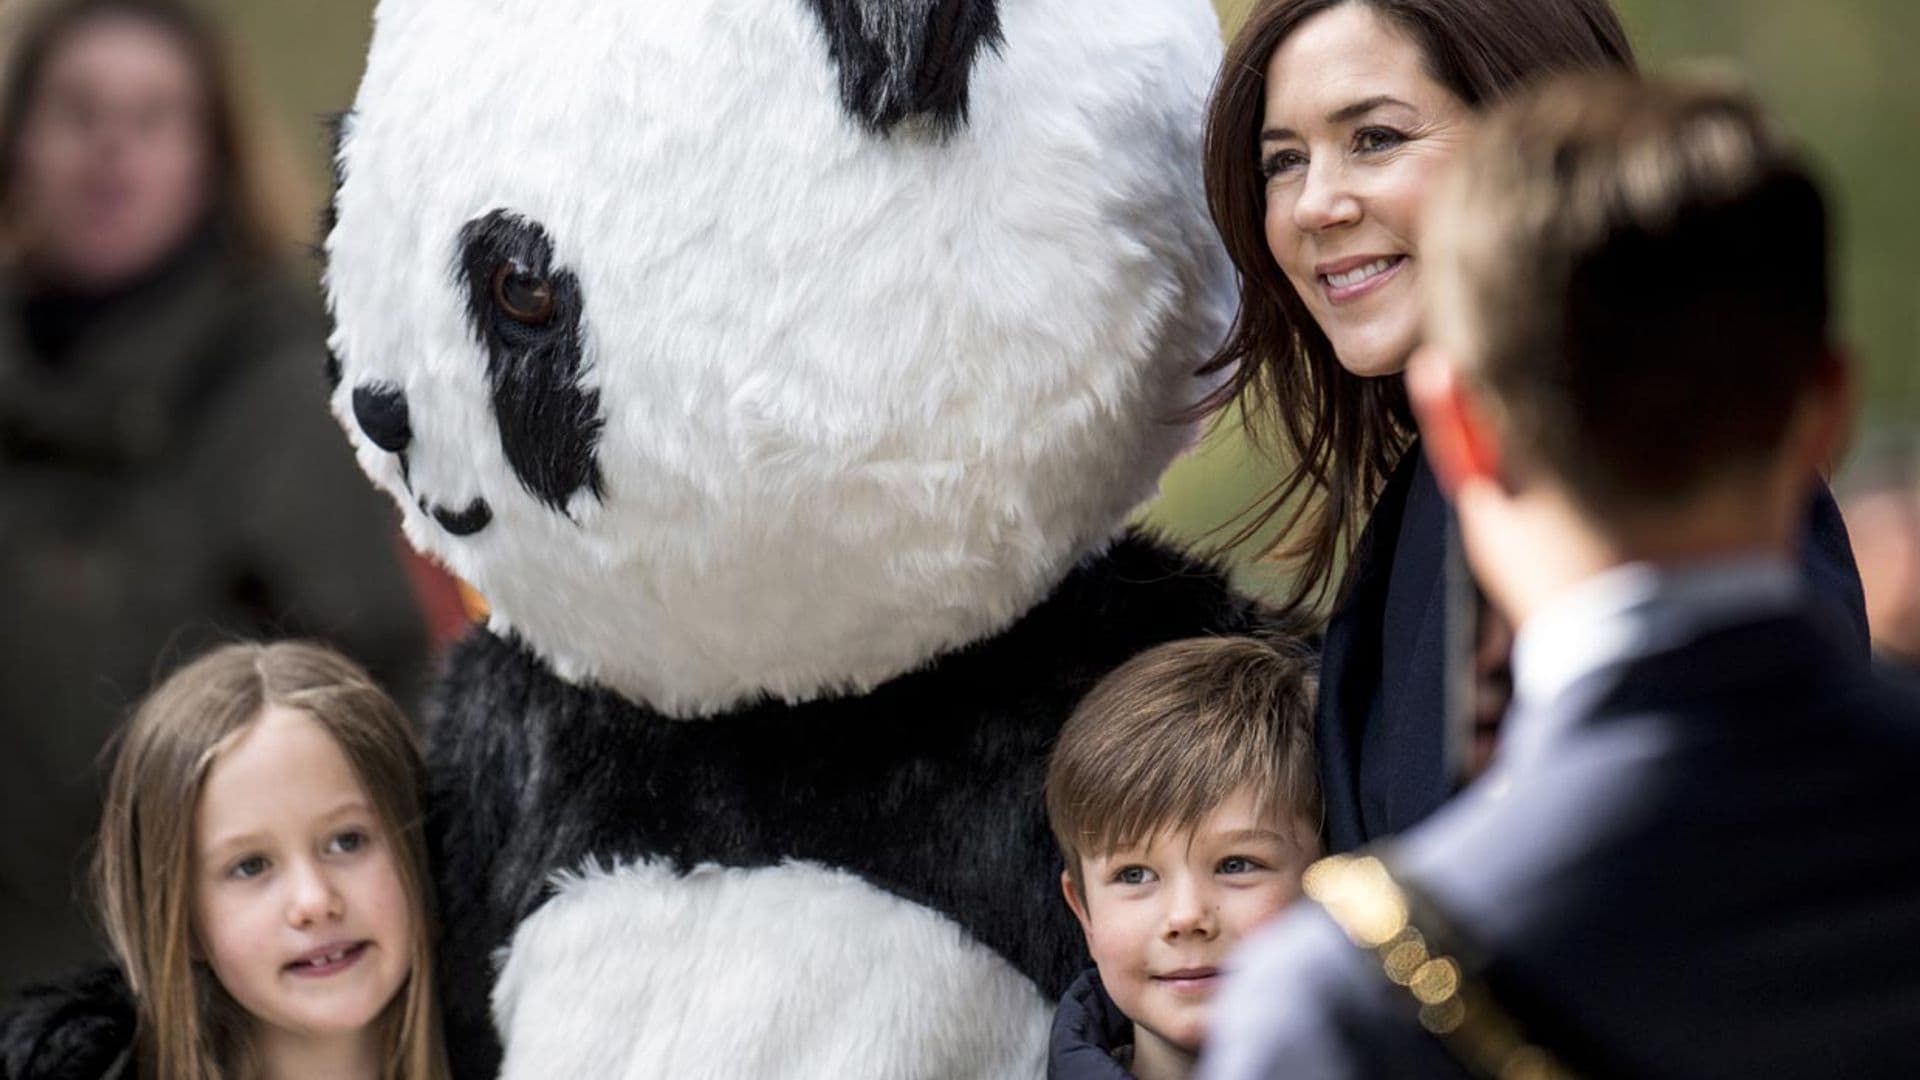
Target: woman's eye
522,295
250,867
1372,140
1133,875
1282,161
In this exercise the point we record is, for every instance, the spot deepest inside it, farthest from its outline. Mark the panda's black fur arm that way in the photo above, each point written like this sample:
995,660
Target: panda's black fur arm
77,1029
928,786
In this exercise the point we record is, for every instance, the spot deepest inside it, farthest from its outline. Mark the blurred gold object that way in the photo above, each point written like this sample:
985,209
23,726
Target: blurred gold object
1376,913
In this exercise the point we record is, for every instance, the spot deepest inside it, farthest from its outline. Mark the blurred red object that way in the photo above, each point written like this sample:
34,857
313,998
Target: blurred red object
448,604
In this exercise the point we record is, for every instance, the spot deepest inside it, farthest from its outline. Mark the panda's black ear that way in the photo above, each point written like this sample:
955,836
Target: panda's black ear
903,58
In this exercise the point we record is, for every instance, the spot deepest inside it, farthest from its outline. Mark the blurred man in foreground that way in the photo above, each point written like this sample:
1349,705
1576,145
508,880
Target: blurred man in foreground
1694,853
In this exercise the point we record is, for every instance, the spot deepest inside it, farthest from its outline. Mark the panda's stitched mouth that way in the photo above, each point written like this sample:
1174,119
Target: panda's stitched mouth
476,516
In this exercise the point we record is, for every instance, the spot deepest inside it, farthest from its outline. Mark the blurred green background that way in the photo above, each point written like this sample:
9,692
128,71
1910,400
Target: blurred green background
1840,73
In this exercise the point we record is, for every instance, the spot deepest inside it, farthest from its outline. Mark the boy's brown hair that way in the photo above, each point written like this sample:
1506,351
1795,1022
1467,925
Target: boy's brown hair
1176,731
1636,273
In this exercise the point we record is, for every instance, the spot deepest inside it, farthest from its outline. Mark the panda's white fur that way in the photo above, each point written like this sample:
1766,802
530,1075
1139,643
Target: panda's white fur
695,976
867,398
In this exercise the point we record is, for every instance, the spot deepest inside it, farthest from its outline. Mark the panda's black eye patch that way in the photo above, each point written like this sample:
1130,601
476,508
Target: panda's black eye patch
527,313
522,295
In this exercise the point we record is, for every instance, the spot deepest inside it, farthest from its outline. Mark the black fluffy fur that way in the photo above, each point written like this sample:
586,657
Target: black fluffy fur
549,422
75,1030
902,58
929,786
336,127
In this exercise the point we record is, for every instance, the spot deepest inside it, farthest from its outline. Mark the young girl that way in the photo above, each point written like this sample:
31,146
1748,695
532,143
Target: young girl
262,874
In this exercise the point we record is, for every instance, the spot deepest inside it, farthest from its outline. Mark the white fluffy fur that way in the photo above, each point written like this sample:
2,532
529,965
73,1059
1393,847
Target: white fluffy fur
867,400
640,972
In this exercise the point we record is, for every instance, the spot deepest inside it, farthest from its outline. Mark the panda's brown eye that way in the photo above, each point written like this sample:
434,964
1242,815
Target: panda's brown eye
524,296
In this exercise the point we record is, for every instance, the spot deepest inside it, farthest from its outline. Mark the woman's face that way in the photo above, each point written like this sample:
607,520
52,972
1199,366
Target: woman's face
114,155
1354,134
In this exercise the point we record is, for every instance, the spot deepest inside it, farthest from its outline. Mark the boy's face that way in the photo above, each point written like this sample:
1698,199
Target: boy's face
1161,916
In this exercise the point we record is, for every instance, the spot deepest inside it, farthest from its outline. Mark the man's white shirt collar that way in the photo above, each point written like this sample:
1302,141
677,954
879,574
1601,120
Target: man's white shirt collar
1638,609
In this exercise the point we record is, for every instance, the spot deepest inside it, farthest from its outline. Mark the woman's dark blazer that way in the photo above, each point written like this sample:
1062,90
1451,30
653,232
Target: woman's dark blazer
1382,718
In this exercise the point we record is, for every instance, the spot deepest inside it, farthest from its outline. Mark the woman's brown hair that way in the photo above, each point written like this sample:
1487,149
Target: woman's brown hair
189,1027
259,199
1341,433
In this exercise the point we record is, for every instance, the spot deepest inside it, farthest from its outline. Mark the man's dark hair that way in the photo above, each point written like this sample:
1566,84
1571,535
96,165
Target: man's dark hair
1637,273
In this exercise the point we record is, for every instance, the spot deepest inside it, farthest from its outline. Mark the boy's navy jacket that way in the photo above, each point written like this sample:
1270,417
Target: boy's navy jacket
1705,865
1086,1031
1382,717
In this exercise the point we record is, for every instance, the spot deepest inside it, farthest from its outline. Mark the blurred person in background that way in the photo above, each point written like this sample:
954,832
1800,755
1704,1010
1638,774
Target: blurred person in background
169,474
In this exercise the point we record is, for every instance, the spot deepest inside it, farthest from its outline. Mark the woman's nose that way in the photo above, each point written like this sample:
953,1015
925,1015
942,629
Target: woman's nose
381,411
1326,199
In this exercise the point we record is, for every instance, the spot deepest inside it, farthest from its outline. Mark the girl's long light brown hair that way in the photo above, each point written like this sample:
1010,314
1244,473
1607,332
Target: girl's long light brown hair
189,1027
1341,434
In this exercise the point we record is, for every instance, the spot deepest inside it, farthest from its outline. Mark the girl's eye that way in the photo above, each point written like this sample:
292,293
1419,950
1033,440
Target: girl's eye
248,868
1280,162
350,841
1373,140
1133,875
1238,864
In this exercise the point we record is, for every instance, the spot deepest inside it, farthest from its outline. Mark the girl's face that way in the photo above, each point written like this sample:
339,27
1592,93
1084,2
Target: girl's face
1355,132
114,157
298,905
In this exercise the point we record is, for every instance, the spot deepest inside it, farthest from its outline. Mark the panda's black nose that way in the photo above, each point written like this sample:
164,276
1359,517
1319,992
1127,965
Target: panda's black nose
382,413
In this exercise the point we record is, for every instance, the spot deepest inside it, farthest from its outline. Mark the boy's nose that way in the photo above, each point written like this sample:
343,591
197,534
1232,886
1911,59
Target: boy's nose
1190,911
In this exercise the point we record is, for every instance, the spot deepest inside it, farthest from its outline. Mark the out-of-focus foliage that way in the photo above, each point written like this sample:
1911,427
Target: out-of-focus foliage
1839,72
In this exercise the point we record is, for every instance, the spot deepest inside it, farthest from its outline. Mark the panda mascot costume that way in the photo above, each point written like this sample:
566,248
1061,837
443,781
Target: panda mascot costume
784,373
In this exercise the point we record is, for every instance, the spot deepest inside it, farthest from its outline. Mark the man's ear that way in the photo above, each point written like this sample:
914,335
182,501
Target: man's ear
1075,901
1830,409
1459,440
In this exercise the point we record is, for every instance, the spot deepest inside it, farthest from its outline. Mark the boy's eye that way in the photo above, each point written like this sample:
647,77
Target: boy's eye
250,867
1238,864
1133,875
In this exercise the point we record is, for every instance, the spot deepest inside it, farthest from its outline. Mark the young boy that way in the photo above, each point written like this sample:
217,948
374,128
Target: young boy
1185,797
1694,854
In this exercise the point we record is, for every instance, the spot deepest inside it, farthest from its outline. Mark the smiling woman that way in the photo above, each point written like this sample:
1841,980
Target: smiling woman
1329,122
1354,132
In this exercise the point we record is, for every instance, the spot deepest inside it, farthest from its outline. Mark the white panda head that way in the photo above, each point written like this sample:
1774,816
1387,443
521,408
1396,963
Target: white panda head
748,348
